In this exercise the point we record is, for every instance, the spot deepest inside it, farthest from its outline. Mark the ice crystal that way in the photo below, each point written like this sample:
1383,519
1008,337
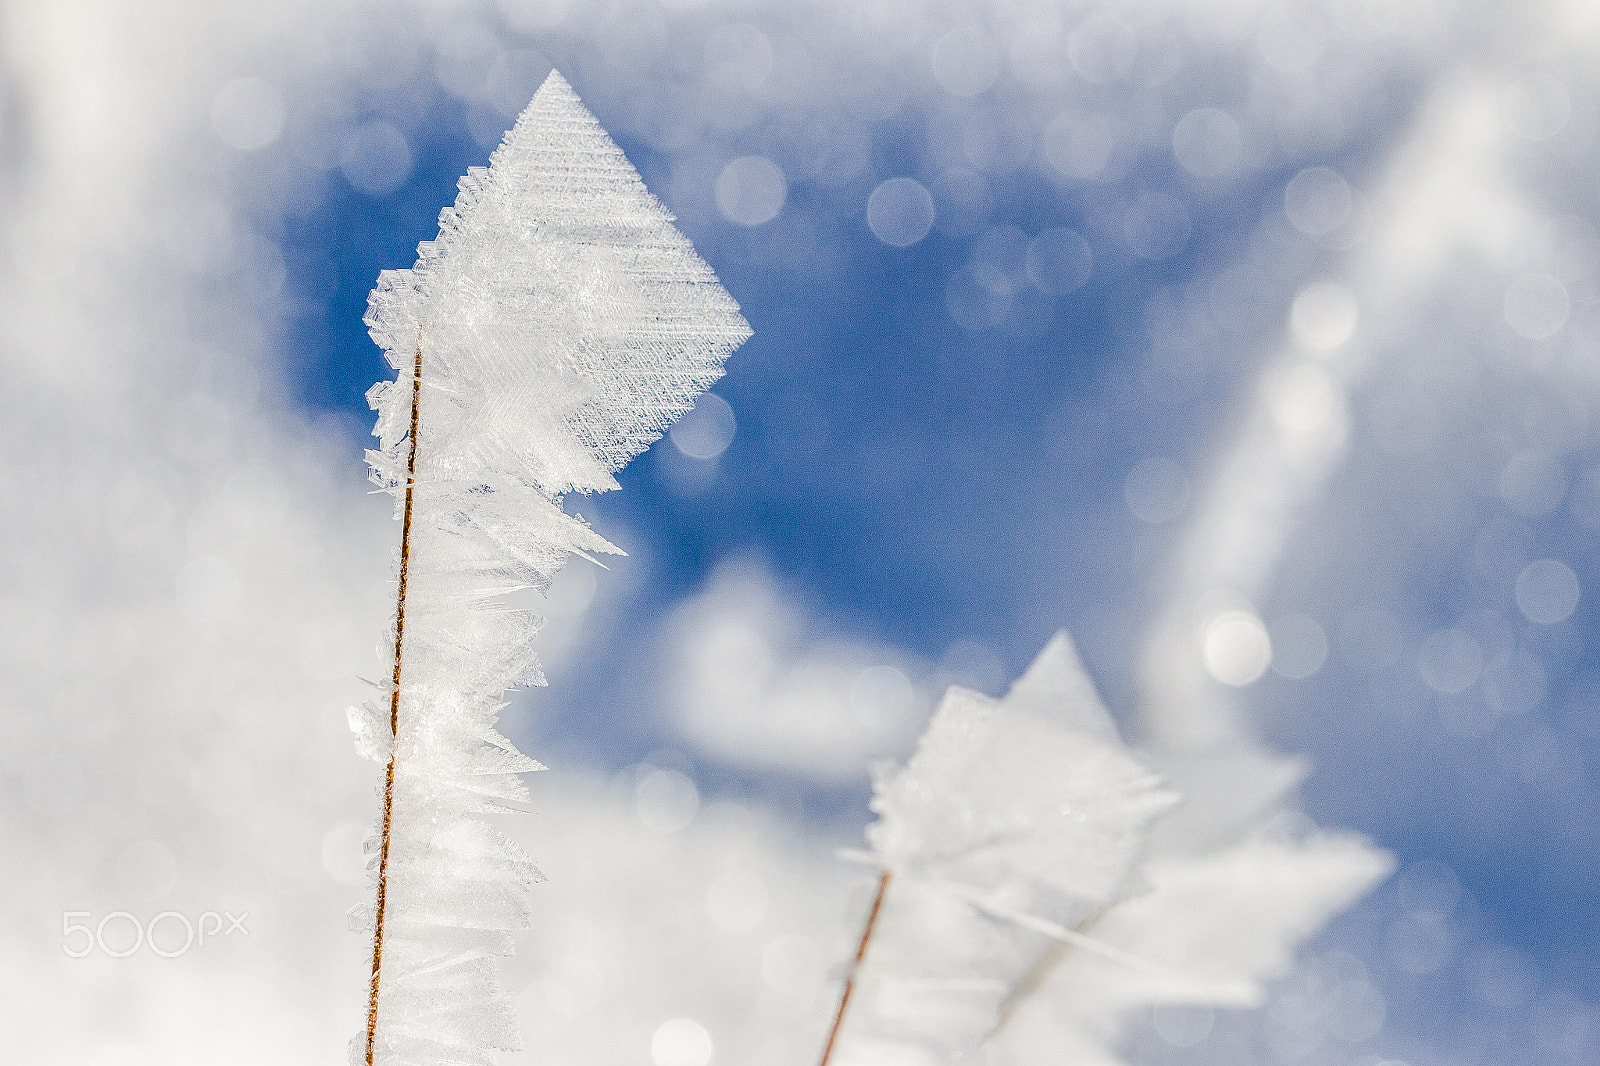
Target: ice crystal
1016,822
553,330
1231,893
1045,890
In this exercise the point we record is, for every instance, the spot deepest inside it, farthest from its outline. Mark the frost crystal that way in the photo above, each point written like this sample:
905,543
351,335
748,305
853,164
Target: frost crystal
553,330
1016,822
1230,896
1044,893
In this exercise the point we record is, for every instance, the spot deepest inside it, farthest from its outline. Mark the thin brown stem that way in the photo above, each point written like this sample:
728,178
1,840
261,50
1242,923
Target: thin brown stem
855,965
394,707
1036,976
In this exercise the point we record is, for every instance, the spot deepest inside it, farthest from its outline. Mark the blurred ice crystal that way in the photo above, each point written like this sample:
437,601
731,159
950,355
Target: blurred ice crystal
965,61
1016,822
1044,897
1537,106
1233,883
1025,805
553,329
1450,661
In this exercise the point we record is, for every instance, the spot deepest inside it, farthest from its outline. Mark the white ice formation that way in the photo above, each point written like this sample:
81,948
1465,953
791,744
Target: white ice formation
1016,822
1232,890
553,330
1045,891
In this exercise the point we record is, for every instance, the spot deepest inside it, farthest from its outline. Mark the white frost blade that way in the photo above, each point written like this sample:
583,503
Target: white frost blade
1013,814
562,324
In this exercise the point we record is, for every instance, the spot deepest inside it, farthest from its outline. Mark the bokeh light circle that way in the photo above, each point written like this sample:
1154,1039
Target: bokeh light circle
900,212
751,190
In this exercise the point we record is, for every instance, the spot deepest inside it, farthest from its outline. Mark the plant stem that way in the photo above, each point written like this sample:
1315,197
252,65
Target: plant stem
394,706
850,978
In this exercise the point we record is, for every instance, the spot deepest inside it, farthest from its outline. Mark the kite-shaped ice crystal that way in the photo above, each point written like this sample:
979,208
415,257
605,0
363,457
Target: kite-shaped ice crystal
553,330
1038,894
1016,822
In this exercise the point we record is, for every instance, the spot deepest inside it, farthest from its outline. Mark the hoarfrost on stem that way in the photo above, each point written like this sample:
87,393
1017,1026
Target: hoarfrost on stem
1015,823
553,330
1046,891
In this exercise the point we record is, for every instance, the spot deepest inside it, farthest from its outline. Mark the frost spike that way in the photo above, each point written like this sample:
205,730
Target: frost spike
566,325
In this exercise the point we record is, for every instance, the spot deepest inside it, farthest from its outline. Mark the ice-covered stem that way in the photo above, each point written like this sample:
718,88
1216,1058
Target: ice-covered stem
394,701
568,325
855,964
1015,822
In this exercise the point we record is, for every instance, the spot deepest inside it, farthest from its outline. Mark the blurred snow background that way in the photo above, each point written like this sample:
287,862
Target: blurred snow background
1256,343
